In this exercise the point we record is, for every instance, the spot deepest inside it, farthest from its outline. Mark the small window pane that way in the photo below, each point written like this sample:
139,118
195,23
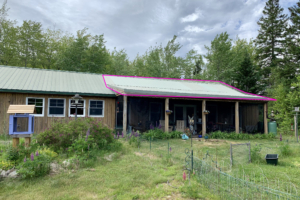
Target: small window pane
39,100
39,110
79,111
31,101
93,104
96,111
56,111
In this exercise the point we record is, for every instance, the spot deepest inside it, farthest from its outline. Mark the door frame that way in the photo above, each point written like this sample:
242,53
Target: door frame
184,113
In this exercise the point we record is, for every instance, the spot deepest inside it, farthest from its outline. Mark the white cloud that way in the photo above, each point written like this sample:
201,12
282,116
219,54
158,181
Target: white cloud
193,29
192,17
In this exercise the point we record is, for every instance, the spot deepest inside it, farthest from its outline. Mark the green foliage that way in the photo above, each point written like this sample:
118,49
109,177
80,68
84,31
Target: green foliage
191,191
135,141
285,149
239,136
270,40
63,133
12,154
39,166
256,154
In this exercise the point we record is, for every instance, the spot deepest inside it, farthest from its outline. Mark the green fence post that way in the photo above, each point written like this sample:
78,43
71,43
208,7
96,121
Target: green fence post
168,148
192,161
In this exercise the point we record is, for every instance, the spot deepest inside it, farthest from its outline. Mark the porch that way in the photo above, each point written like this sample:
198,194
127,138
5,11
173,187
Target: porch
140,113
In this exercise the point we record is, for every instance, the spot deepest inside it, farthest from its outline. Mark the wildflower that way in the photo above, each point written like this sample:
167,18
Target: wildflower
25,159
170,149
37,153
32,157
280,137
60,135
184,176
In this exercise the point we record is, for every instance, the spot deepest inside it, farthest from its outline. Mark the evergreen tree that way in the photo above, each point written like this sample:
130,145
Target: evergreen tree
247,76
270,40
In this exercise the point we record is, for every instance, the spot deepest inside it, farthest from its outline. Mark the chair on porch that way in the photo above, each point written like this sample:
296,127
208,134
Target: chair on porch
162,125
180,125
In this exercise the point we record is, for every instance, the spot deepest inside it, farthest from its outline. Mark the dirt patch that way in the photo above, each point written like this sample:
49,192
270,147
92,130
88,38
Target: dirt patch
145,155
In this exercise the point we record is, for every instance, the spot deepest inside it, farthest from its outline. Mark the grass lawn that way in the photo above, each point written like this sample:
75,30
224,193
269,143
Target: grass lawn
141,173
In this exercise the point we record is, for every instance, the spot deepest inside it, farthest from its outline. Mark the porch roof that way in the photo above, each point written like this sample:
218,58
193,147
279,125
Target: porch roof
182,88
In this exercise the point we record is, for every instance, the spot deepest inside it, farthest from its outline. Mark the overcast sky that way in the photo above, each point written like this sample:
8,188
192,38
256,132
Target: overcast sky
135,25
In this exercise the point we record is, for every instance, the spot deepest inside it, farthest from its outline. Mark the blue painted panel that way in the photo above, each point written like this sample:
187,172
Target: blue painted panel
13,124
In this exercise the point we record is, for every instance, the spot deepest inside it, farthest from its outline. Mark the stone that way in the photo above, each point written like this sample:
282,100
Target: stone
3,173
66,163
54,168
13,174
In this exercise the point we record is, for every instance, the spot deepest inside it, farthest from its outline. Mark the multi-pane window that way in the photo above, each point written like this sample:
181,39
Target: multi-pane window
96,108
39,105
80,108
56,107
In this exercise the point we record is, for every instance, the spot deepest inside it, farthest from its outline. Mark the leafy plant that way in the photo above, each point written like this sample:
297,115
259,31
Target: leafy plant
135,142
36,165
255,154
5,165
285,149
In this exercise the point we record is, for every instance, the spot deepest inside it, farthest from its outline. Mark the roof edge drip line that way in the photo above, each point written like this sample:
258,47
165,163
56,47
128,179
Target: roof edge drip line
258,99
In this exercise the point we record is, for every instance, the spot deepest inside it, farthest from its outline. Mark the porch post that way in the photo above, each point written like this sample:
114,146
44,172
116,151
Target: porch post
166,115
265,118
203,118
124,114
237,125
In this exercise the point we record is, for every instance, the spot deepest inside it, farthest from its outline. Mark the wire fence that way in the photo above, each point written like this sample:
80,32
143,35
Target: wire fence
210,175
216,172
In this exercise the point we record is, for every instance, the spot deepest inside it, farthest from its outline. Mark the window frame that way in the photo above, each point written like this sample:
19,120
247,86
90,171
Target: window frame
49,115
84,103
103,101
43,112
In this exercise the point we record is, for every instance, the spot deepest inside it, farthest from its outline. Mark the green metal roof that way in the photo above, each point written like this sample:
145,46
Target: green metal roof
167,87
33,80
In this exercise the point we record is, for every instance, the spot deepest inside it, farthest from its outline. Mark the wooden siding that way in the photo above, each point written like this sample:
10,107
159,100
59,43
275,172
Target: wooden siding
41,123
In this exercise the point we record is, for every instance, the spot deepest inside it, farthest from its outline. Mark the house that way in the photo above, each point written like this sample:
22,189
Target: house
126,102
51,92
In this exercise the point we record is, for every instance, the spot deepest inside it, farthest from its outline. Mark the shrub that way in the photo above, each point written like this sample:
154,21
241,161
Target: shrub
5,165
240,136
160,134
135,141
36,165
48,152
63,133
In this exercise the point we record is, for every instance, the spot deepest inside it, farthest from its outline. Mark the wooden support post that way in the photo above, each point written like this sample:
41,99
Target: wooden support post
265,118
166,115
125,115
27,141
15,142
237,124
203,118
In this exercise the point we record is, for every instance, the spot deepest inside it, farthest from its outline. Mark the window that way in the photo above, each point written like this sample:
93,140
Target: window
96,108
56,107
39,105
80,108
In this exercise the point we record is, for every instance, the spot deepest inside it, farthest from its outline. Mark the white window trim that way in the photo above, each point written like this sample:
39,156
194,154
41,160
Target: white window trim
57,115
102,108
71,115
43,113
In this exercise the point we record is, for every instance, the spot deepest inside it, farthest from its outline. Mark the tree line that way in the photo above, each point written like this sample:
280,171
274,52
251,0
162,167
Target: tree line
266,65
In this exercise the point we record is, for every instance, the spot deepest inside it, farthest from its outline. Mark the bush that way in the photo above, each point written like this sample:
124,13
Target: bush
240,136
5,165
36,165
135,141
63,133
160,134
